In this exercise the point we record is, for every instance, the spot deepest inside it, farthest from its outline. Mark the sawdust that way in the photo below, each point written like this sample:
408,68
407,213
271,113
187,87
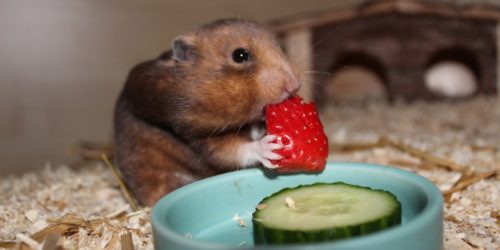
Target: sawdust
84,207
466,135
451,143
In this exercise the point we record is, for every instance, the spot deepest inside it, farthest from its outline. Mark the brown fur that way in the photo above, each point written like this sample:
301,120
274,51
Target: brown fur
178,121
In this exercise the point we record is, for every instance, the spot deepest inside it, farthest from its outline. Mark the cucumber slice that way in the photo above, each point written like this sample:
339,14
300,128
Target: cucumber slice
322,212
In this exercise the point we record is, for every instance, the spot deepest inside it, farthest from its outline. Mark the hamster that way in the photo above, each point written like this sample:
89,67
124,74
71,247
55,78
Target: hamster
198,109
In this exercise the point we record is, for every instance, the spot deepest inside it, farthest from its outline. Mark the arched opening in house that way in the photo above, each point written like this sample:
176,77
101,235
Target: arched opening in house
357,77
452,73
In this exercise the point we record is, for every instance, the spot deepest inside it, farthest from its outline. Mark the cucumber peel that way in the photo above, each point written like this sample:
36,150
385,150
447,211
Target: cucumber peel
323,212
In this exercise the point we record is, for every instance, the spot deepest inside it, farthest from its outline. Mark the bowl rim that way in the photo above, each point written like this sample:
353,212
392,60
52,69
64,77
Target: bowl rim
427,215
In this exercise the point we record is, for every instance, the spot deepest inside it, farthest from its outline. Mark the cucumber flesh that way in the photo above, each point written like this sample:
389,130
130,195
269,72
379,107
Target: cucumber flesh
323,211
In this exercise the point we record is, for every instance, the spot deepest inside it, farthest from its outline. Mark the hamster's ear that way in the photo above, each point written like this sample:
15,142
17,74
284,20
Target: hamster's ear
183,48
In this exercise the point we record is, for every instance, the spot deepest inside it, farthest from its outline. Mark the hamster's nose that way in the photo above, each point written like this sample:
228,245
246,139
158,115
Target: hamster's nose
292,85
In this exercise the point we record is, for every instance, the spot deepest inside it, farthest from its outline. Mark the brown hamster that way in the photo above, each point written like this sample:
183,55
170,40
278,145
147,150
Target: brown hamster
198,109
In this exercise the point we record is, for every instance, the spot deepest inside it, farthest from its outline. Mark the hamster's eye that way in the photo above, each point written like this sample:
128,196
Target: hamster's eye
241,55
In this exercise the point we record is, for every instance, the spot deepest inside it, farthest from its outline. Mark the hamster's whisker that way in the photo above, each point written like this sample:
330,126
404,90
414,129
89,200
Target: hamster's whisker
214,132
312,72
239,128
303,61
337,29
227,125
218,130
328,35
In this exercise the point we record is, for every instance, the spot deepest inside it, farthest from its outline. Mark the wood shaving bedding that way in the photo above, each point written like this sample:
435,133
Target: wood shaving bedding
465,134
85,209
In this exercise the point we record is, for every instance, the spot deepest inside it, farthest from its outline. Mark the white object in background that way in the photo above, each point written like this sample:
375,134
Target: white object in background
450,79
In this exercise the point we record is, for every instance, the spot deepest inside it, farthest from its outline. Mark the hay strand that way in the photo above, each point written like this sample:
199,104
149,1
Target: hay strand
123,187
126,241
50,242
424,155
471,180
28,241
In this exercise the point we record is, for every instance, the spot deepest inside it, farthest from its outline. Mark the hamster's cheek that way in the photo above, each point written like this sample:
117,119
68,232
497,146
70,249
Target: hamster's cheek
277,85
272,85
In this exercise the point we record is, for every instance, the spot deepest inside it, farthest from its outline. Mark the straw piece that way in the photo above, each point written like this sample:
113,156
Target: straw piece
467,182
118,212
490,148
58,229
123,187
452,218
385,141
93,151
28,241
347,147
50,242
8,244
403,163
126,241
421,154
70,221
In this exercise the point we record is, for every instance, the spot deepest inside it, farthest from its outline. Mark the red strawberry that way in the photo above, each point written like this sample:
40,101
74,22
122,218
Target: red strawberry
299,130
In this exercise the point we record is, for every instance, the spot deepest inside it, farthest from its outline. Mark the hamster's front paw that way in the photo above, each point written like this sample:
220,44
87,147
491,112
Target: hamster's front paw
267,147
262,151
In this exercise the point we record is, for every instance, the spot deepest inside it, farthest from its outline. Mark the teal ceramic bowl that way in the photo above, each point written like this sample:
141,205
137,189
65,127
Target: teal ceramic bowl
200,216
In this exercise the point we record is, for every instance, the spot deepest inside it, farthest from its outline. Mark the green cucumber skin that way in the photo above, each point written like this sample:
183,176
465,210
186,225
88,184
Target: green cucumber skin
266,235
